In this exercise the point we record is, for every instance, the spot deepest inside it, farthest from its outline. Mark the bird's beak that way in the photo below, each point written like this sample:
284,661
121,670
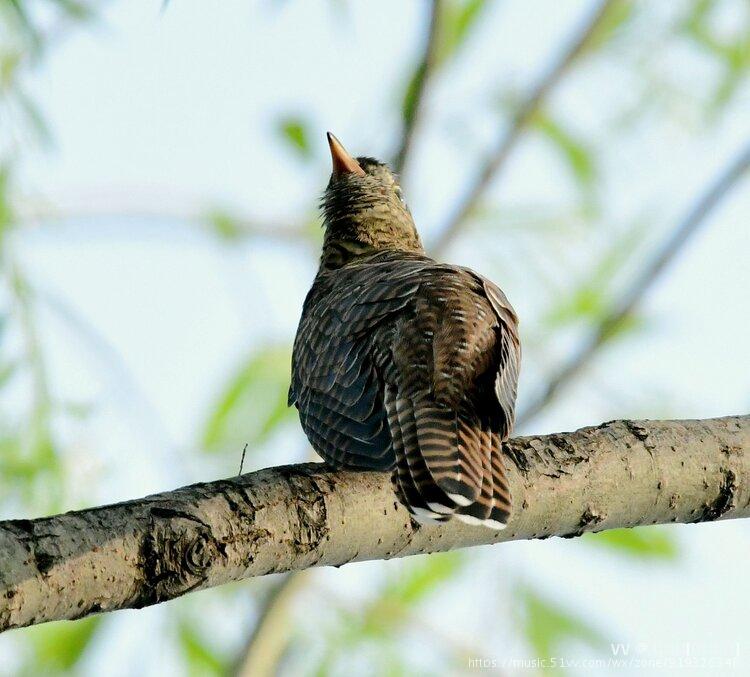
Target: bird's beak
343,163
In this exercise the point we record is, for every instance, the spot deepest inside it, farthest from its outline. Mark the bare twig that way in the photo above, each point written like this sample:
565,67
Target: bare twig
130,555
242,459
630,298
497,160
422,76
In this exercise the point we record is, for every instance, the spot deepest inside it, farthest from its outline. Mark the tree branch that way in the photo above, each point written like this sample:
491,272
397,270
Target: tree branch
497,160
623,306
142,552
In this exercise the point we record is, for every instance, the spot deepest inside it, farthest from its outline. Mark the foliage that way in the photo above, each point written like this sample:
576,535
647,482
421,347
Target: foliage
59,647
644,543
199,656
457,20
254,403
731,52
548,626
574,152
224,225
294,132
615,23
392,611
591,298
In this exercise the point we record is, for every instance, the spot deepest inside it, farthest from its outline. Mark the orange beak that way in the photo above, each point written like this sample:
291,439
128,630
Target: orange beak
343,163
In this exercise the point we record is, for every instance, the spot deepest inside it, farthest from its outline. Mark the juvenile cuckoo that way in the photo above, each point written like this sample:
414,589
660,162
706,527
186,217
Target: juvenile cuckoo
401,363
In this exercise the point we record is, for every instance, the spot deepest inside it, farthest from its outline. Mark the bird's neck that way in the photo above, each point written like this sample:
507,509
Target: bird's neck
346,241
339,252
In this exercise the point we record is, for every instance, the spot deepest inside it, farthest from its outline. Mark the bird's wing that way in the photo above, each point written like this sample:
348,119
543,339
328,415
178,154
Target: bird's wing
336,383
450,397
509,363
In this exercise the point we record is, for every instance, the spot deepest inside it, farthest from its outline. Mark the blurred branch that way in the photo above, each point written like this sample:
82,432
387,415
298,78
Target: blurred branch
271,635
27,37
22,294
623,306
523,115
390,614
240,227
424,71
147,551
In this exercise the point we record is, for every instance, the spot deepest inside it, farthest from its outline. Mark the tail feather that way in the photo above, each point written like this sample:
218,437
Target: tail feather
501,491
431,494
444,452
480,510
403,483
447,464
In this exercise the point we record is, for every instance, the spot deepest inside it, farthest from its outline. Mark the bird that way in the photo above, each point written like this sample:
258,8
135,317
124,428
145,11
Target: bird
403,364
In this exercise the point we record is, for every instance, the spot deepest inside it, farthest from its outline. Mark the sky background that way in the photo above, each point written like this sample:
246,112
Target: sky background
157,115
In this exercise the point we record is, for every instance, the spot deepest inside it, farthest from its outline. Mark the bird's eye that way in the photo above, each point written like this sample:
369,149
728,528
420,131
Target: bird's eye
399,194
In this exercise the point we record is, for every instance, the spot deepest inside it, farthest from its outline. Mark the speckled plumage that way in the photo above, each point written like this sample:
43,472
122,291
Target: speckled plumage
402,363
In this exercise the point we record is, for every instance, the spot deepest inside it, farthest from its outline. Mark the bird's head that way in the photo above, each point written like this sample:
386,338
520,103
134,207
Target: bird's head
363,206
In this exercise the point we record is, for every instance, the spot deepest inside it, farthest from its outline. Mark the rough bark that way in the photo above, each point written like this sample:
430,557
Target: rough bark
130,555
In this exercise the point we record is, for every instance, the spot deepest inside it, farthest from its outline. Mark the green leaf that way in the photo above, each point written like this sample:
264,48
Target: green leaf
423,577
254,403
7,369
379,623
26,25
457,22
409,104
574,151
202,659
6,211
405,590
591,299
614,21
454,27
645,543
58,647
10,61
224,224
294,132
731,52
79,11
75,409
548,626
35,118
630,324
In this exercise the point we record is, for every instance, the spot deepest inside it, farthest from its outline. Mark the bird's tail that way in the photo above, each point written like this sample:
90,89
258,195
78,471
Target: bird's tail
447,464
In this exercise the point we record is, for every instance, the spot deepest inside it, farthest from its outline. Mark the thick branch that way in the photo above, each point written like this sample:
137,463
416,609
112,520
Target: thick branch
129,555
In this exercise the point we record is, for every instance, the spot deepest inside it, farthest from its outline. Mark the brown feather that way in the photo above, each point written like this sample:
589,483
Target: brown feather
404,364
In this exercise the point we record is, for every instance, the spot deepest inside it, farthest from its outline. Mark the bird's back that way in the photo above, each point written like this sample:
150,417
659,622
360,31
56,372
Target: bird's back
404,364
